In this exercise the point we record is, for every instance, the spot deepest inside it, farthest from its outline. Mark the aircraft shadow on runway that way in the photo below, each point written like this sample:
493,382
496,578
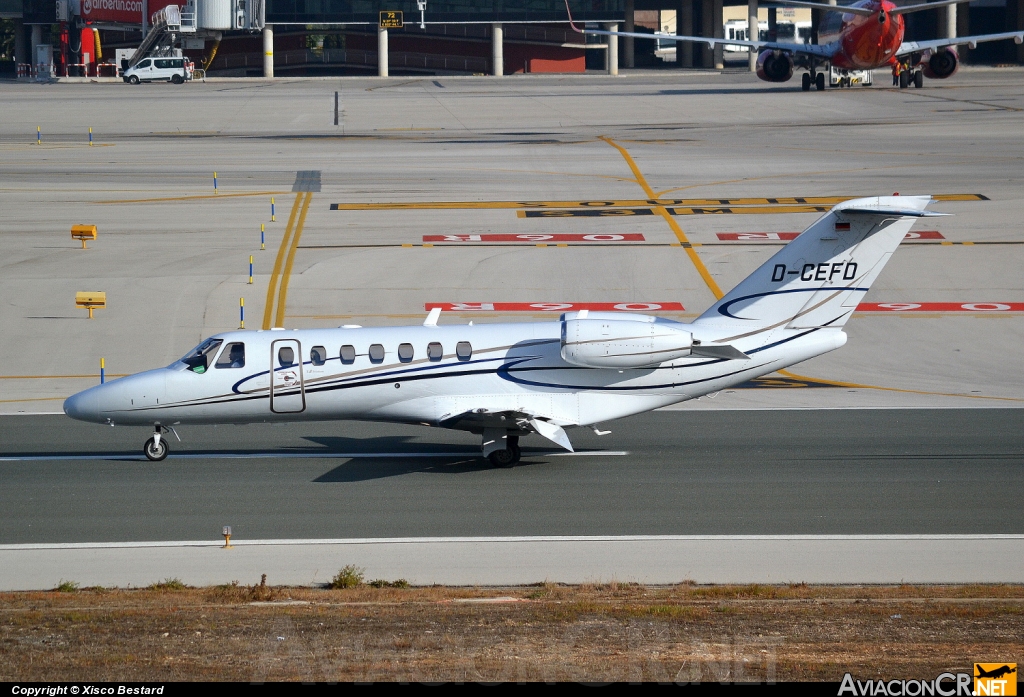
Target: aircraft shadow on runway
360,469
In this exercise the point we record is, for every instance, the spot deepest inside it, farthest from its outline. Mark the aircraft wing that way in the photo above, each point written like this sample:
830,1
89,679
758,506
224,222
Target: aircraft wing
915,46
808,49
479,419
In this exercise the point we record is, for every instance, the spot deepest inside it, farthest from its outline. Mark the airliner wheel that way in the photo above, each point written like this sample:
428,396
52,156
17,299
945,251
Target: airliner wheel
819,82
805,82
918,79
904,80
155,452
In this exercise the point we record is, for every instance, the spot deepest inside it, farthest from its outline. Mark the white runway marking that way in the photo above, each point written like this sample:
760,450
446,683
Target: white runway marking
293,456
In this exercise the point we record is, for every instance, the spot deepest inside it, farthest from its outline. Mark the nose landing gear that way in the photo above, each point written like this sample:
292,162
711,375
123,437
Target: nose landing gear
156,448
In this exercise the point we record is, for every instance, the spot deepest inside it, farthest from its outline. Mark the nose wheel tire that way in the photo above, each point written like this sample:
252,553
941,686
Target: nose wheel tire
155,451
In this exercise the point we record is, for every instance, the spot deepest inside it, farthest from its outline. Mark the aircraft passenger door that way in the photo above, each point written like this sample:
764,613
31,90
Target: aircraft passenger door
287,391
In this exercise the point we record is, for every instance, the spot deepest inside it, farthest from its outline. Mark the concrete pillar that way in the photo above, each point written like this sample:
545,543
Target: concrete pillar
629,59
20,45
949,31
145,17
773,24
752,32
612,54
268,50
37,38
707,23
684,27
498,48
382,52
718,18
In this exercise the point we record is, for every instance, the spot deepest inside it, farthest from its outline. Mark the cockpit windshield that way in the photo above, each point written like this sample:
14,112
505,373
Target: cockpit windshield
198,359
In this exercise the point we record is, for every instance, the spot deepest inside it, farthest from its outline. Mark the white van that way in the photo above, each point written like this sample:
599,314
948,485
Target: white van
176,70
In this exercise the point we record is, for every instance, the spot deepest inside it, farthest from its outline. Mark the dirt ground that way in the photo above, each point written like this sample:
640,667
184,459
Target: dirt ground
684,633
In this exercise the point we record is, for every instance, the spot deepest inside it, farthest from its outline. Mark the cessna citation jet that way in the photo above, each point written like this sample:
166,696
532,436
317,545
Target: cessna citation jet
863,36
505,381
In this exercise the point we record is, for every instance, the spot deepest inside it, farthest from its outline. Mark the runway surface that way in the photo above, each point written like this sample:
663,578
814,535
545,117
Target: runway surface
814,472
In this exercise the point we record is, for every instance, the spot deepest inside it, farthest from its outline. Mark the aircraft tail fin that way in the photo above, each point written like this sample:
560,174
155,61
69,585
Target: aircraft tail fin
818,279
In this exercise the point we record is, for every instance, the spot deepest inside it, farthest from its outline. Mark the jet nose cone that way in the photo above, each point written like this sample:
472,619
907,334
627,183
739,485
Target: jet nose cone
83,406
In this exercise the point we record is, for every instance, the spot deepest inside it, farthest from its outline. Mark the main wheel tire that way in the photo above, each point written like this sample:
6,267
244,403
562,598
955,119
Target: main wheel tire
133,80
819,82
805,82
918,79
155,452
177,79
503,458
904,80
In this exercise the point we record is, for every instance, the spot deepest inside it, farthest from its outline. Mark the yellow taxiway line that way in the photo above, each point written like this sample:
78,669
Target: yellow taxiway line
282,253
282,295
661,210
653,201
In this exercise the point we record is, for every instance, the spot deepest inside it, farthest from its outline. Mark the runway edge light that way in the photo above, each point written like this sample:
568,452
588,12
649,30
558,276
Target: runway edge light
226,532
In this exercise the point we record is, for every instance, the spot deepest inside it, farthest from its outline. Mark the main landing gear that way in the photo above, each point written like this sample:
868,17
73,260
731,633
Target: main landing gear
156,448
501,448
813,78
908,78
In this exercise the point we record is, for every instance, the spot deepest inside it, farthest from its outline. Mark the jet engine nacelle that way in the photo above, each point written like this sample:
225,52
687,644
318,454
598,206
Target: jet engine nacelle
774,66
616,343
942,63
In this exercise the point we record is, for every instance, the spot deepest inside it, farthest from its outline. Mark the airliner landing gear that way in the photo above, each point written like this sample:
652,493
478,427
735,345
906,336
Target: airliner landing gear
805,82
819,82
156,447
918,79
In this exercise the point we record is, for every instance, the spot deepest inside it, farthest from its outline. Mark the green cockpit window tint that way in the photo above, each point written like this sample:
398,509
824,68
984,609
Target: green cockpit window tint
198,359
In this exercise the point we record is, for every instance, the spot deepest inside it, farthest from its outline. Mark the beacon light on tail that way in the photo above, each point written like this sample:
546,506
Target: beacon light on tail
505,381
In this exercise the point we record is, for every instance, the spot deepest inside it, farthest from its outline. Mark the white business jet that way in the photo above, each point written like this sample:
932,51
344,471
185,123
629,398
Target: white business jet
505,381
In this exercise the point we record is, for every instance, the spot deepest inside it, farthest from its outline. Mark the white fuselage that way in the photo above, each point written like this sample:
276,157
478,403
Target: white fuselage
512,367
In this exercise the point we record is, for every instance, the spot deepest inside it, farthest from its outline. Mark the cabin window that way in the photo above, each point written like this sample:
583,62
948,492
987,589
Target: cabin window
198,359
318,355
286,356
376,353
233,356
405,352
347,354
464,350
434,351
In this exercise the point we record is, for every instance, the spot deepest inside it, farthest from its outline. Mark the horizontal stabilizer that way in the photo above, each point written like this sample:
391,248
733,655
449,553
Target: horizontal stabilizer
553,433
729,353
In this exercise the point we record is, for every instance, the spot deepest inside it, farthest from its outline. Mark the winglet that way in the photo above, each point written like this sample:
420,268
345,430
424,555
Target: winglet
431,320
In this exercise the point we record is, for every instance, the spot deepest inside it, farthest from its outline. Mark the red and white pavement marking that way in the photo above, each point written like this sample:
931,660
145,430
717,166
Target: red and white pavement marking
536,239
940,307
555,307
678,307
786,236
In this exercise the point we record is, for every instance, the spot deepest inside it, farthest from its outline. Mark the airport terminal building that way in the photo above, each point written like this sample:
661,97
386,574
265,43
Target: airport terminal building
440,37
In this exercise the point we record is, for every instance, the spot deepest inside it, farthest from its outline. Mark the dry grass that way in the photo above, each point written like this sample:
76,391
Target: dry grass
606,632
